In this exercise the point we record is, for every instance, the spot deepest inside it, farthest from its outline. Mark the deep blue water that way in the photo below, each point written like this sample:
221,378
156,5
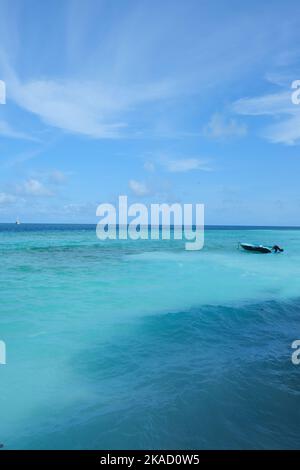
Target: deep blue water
140,344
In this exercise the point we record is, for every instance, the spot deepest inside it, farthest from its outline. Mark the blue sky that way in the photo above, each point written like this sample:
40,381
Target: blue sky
173,101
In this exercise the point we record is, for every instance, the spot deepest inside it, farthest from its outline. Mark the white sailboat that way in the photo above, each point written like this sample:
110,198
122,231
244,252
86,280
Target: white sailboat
18,222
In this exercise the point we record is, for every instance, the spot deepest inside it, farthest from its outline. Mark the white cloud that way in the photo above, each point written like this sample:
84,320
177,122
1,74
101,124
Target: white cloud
57,177
220,127
272,105
7,131
50,177
79,208
86,107
285,130
149,166
138,188
6,198
184,165
34,187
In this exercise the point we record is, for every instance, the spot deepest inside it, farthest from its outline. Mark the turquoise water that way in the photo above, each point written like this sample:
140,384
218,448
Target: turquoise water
140,344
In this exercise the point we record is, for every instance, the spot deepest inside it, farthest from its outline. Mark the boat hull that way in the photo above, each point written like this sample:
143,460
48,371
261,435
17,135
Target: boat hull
256,248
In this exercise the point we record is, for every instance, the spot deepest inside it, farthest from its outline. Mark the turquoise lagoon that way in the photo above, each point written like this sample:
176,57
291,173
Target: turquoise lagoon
143,345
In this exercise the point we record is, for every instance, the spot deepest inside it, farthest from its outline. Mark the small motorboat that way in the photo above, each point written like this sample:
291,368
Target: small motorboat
255,248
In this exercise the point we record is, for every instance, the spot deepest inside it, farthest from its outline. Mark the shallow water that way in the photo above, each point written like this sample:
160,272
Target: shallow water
124,344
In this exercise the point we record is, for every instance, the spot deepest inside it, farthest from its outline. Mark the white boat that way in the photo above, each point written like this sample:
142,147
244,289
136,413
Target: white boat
18,222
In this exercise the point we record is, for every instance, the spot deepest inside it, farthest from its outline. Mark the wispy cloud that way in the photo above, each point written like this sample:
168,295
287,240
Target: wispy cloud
34,187
286,128
105,75
149,166
138,188
6,199
220,127
7,131
184,165
272,105
57,177
86,107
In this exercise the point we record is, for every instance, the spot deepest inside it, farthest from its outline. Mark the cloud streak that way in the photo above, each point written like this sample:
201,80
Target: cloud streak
90,108
184,165
219,127
279,106
7,131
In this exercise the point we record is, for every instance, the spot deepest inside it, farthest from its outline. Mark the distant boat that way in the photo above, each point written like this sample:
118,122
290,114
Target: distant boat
256,248
18,222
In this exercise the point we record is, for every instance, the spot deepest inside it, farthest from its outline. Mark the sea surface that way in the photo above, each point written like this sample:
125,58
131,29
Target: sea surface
143,345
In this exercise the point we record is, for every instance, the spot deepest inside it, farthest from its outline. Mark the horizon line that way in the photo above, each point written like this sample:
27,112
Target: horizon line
149,225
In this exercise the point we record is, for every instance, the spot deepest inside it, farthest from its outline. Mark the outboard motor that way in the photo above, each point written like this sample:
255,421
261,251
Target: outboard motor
277,249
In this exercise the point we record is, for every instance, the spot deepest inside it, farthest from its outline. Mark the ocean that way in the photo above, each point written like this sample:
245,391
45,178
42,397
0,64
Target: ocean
143,345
